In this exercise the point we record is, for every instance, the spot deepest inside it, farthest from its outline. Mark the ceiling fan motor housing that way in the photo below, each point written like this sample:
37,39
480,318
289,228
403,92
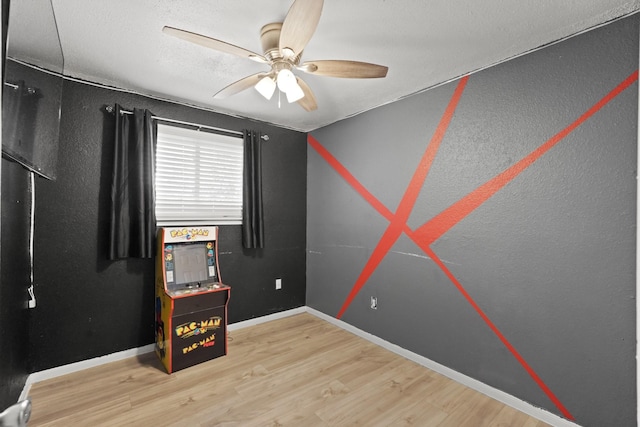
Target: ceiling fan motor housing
270,39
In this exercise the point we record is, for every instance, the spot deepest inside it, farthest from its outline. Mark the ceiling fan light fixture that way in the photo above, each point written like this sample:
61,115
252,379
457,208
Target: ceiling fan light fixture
286,80
288,84
294,93
266,86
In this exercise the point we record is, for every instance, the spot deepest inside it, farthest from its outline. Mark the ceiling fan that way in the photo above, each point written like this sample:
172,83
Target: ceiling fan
283,44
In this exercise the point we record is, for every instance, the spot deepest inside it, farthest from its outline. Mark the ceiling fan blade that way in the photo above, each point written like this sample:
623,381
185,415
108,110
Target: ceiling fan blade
240,85
212,43
309,101
299,25
345,69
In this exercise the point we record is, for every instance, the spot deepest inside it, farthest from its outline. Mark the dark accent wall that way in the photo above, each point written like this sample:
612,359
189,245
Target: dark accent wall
14,269
89,306
14,281
524,280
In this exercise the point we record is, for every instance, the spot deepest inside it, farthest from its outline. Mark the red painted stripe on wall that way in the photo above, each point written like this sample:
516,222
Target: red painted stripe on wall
554,399
399,220
351,180
445,220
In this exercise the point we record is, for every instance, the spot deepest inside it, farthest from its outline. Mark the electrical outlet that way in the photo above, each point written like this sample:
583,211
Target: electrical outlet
278,283
374,303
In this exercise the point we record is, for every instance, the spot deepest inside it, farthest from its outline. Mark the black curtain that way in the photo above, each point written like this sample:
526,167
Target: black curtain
252,218
132,233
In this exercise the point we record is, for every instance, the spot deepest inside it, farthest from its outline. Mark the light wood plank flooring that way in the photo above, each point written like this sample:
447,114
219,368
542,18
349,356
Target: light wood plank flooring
296,371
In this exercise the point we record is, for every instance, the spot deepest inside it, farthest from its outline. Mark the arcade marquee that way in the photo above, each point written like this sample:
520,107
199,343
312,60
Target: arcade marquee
191,300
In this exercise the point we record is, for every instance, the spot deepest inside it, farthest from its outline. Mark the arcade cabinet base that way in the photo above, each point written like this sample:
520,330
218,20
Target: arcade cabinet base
197,329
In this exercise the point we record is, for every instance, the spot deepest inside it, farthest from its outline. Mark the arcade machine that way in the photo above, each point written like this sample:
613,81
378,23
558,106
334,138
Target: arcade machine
191,300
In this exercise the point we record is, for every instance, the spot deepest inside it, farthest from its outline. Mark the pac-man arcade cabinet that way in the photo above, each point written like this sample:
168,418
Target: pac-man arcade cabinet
191,300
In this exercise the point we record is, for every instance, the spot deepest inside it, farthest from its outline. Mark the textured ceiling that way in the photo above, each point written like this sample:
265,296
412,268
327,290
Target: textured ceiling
119,43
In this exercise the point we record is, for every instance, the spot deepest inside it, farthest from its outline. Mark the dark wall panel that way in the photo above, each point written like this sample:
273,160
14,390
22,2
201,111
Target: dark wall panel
14,268
524,279
89,306
14,281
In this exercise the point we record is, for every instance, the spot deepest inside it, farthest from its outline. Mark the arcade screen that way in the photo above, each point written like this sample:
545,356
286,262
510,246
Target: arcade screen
192,263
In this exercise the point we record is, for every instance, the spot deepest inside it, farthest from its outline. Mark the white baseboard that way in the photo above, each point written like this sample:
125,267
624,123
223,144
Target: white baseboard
267,318
507,399
494,393
114,357
79,366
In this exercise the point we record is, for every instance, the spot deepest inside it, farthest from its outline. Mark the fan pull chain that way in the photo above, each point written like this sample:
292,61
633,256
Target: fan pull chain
279,99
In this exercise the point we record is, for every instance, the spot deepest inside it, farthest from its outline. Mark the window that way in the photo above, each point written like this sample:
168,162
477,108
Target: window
198,177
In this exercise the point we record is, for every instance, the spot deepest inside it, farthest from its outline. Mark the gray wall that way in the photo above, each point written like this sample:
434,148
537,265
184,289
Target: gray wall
549,258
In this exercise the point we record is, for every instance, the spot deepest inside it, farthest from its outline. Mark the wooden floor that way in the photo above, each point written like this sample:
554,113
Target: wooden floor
297,371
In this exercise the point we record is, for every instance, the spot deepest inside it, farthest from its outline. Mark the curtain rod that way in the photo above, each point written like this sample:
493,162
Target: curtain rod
30,90
110,109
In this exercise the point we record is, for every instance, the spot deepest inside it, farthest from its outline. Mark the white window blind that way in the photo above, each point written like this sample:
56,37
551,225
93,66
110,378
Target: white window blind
198,177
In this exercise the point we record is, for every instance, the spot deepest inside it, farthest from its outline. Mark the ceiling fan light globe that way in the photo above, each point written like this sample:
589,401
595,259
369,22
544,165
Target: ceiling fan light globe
286,80
295,93
266,86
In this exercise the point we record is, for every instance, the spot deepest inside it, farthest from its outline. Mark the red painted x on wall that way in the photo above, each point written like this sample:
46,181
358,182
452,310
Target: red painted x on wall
440,224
